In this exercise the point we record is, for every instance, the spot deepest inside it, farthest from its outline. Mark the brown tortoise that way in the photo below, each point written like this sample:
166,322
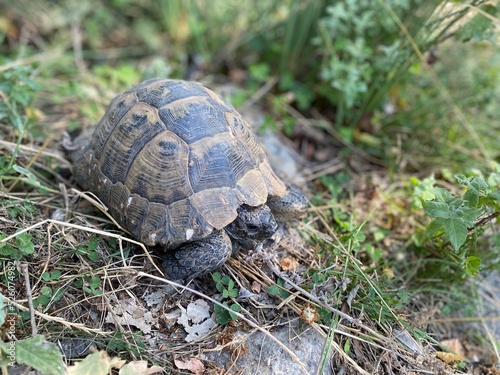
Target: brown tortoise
178,167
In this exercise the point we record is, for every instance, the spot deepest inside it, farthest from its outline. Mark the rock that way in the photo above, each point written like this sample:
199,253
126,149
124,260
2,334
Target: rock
259,354
284,160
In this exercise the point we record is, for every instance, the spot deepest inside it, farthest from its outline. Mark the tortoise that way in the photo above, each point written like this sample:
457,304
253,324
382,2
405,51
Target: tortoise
178,167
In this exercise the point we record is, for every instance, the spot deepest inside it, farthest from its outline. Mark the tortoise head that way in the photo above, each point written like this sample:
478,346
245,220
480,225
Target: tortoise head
256,223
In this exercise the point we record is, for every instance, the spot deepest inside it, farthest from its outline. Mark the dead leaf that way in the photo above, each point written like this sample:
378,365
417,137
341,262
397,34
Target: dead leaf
155,299
352,295
448,358
289,264
34,113
408,340
256,287
194,365
196,320
309,314
388,273
455,346
95,363
139,368
127,312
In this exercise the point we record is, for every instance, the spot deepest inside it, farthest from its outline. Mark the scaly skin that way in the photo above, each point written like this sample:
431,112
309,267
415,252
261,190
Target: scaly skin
252,226
195,259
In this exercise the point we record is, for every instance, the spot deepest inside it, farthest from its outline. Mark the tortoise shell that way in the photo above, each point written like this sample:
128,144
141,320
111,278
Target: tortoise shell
173,161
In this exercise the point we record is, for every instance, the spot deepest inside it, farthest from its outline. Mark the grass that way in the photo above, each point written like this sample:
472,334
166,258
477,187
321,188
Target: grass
384,298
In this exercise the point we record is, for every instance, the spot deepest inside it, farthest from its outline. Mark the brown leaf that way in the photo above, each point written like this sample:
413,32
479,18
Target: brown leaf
388,273
455,346
289,264
95,363
194,365
256,287
448,358
139,367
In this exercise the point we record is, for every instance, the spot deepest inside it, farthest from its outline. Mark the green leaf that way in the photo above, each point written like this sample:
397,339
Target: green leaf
41,300
234,292
58,294
95,282
22,170
94,292
219,287
7,250
222,319
443,195
436,209
318,277
216,276
479,28
359,236
40,354
478,184
31,178
495,195
93,244
223,315
374,252
325,315
93,255
347,346
403,295
468,215
424,190
284,294
456,232
493,179
273,290
259,72
23,242
472,265
235,307
461,179
55,275
46,291
434,227
225,280
456,205
80,249
27,248
471,198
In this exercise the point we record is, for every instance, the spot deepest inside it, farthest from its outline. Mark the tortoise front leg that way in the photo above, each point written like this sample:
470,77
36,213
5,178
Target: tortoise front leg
198,258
